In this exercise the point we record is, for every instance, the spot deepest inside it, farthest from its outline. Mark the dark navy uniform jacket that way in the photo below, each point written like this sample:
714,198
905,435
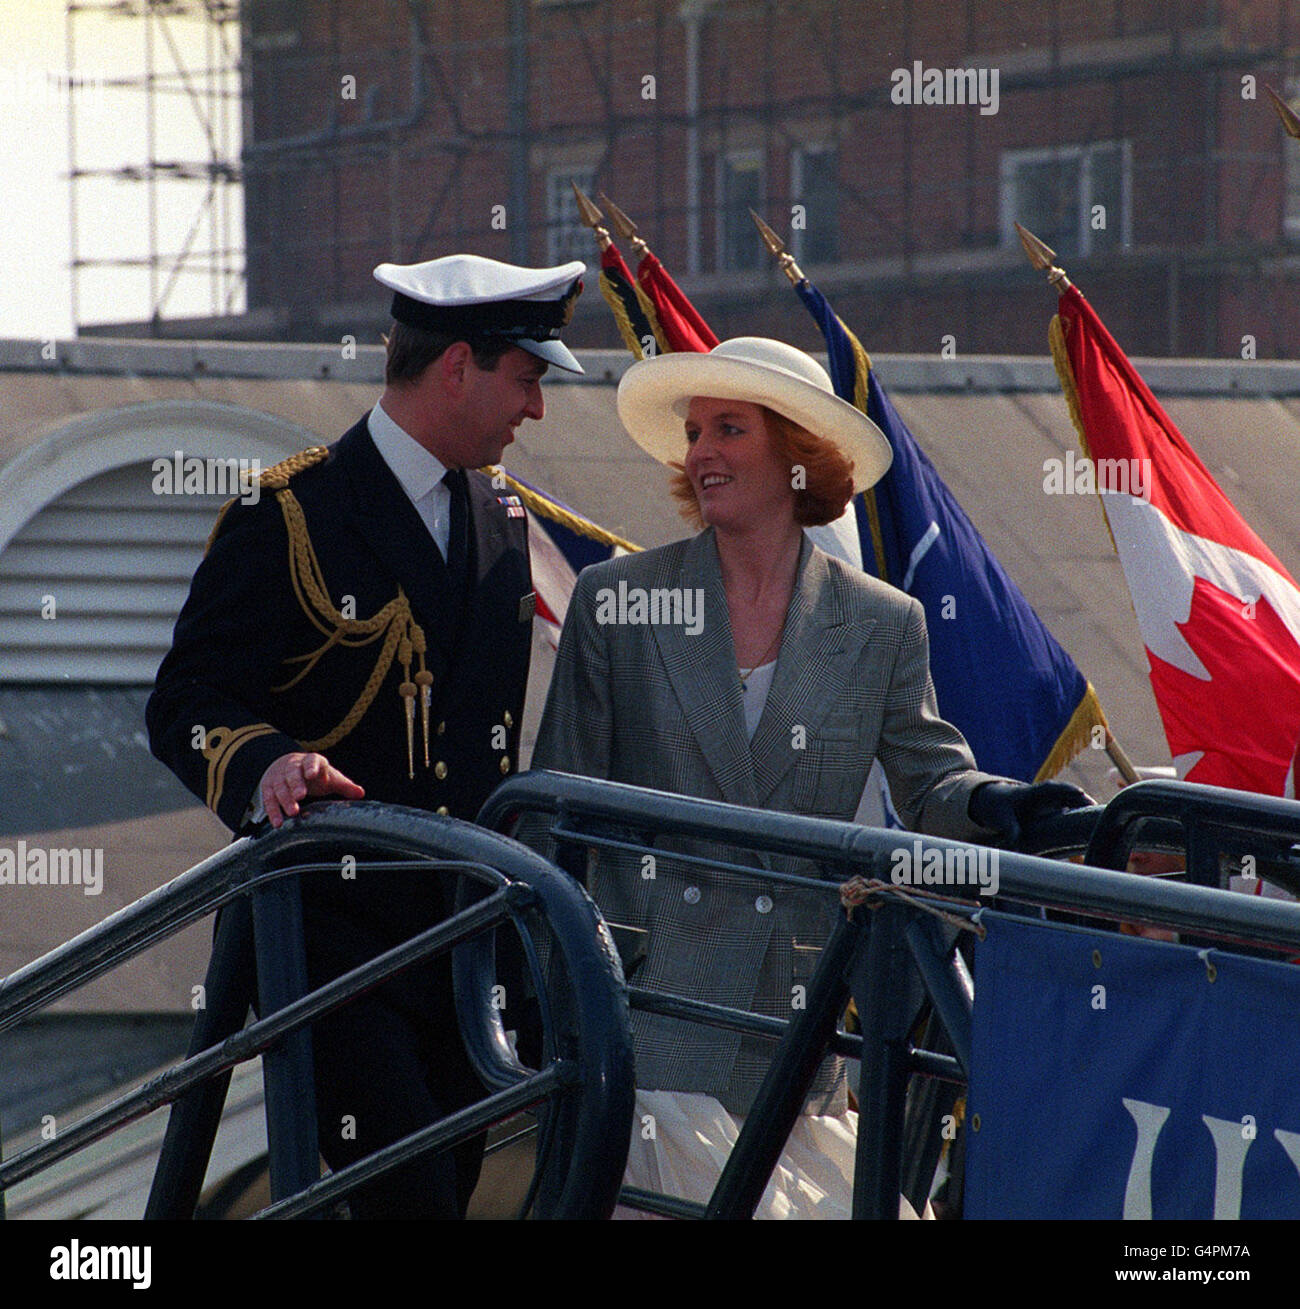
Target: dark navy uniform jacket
261,664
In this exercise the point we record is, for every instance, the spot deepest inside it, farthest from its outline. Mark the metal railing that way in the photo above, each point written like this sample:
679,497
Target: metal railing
886,957
585,1089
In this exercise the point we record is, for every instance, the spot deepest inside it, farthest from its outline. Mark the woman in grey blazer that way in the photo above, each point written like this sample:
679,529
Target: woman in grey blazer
746,665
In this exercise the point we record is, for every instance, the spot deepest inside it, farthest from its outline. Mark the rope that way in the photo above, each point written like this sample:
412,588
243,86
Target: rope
859,890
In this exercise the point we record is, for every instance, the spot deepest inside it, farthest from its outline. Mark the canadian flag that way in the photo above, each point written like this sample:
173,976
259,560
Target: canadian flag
1219,615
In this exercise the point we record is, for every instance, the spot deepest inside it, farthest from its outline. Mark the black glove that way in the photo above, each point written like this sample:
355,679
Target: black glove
1005,807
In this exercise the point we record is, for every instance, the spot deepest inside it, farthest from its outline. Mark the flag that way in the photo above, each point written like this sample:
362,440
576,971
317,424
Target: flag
1000,676
632,310
680,326
1219,614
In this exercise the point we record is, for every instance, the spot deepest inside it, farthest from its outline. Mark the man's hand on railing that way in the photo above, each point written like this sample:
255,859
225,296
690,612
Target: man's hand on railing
297,776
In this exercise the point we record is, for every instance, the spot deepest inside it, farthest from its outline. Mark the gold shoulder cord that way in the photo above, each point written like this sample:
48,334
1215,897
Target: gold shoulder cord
393,625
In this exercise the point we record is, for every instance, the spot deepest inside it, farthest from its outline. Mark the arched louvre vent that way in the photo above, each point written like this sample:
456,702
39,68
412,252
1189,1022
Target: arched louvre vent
91,586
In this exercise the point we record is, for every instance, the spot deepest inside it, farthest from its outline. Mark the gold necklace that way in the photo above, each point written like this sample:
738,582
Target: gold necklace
745,672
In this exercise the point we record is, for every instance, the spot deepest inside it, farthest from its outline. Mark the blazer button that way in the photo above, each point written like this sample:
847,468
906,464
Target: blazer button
442,727
440,770
505,763
763,904
508,718
443,810
691,895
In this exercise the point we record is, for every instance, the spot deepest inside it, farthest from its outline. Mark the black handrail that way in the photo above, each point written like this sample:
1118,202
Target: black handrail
878,965
1201,812
851,848
593,1068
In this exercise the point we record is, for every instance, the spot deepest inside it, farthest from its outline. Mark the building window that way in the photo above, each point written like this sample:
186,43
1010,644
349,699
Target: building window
566,237
1076,198
814,186
740,189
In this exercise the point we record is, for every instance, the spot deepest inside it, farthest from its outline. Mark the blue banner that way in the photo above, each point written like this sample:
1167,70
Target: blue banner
1000,676
1118,1077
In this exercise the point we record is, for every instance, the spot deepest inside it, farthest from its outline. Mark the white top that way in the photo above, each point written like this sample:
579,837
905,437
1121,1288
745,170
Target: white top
753,694
418,472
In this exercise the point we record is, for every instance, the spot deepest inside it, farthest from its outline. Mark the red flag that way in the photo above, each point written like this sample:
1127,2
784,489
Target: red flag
632,310
681,327
1219,615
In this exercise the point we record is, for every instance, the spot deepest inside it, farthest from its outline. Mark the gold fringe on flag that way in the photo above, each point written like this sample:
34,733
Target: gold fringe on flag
651,313
621,318
1077,735
539,504
861,371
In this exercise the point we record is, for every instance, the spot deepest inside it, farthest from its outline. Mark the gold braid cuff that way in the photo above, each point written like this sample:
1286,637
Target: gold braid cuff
221,744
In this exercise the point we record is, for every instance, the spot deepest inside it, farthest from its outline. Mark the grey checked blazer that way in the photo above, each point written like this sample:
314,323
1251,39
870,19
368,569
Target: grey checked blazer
654,705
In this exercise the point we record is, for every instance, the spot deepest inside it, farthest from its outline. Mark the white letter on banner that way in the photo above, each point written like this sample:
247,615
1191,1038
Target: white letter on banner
1230,1148
1150,1118
1290,1142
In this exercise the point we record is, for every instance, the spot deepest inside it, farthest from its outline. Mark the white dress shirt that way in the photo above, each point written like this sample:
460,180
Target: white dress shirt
418,472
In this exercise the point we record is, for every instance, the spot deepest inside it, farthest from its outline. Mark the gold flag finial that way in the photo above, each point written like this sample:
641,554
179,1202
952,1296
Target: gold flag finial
624,226
775,246
1290,119
592,217
1042,256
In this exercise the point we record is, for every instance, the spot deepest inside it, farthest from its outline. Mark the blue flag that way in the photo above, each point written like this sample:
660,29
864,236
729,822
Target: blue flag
1001,677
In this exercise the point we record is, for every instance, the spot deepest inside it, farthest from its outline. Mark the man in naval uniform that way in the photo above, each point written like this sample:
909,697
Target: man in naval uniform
364,629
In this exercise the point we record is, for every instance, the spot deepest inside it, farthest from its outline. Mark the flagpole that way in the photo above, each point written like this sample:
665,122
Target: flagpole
678,324
1289,118
1043,257
776,248
592,218
625,227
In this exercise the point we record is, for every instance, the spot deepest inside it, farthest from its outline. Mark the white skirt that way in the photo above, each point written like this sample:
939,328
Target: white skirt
681,1140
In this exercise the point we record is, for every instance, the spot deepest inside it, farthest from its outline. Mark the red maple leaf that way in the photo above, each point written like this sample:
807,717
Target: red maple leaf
1246,718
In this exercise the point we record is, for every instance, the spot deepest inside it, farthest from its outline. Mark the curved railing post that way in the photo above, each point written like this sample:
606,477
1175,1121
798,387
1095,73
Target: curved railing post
195,1116
881,984
287,1072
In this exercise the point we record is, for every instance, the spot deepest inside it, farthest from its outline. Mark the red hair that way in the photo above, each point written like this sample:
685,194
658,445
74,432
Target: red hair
827,474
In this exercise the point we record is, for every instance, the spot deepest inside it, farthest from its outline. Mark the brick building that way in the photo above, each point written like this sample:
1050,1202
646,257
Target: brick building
1134,136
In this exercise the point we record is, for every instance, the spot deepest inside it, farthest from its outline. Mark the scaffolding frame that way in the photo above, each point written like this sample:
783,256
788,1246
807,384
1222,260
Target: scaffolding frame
169,75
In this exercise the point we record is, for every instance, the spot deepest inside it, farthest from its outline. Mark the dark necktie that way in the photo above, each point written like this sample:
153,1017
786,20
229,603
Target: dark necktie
458,536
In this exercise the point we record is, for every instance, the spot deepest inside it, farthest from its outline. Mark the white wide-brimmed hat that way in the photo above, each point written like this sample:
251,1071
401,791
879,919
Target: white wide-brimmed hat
655,394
